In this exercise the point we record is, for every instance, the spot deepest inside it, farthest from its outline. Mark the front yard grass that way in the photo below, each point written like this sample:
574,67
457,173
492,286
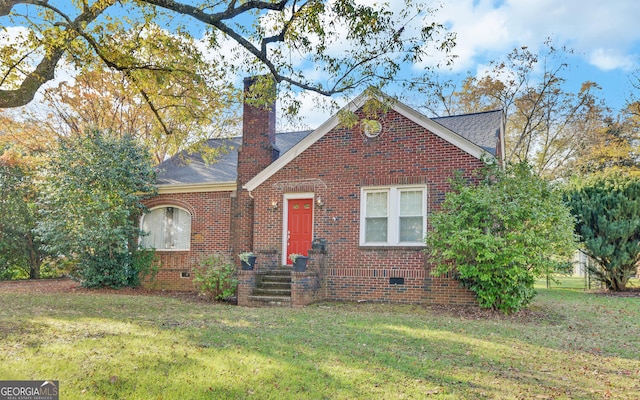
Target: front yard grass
570,344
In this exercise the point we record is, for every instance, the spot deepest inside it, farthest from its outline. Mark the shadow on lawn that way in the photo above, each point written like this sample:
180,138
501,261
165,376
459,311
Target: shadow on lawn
177,347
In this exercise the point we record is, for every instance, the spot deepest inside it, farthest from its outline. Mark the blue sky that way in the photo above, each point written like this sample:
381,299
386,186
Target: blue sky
605,36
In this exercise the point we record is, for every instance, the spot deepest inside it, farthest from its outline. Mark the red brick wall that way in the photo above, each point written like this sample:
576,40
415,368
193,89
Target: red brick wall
335,168
210,212
255,154
258,136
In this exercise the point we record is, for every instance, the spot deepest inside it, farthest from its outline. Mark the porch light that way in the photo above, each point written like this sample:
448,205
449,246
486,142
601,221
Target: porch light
319,202
274,205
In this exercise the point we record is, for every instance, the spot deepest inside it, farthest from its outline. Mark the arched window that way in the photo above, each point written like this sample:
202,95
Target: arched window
167,228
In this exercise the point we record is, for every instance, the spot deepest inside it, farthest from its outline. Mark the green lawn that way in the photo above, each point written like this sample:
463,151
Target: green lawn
574,282
569,345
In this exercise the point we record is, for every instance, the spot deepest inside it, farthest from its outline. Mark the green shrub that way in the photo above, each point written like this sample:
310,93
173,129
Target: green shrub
12,272
607,211
89,207
142,266
215,277
499,235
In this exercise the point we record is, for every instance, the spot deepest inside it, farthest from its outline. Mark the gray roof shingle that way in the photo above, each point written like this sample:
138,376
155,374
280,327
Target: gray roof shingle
191,168
481,128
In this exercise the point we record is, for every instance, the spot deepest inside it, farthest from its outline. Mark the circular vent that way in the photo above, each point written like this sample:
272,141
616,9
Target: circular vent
371,128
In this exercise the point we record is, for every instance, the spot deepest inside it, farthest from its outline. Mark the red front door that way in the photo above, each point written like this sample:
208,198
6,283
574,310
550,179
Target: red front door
299,227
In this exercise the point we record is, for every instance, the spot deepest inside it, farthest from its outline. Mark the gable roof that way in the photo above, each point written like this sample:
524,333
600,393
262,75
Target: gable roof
478,134
463,140
189,169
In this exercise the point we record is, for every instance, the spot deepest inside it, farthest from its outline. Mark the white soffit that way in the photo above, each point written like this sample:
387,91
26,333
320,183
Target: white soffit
197,187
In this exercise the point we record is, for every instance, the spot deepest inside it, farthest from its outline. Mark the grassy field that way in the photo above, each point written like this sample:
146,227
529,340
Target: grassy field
574,282
569,345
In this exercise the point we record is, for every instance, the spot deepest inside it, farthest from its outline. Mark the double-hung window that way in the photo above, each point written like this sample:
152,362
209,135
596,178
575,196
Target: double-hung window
393,216
167,228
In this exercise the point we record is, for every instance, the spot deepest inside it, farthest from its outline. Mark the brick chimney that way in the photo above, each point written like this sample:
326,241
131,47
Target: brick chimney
258,128
254,155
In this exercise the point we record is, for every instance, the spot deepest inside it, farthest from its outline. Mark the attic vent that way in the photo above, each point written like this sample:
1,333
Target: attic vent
371,128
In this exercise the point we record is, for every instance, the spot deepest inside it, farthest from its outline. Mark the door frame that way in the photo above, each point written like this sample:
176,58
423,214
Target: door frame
285,217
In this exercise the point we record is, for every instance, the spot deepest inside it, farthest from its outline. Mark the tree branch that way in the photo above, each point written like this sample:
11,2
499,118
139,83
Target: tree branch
153,108
45,70
216,20
221,17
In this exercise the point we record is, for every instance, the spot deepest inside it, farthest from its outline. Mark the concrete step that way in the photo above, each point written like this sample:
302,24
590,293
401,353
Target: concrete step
280,271
275,285
274,288
272,301
276,279
261,291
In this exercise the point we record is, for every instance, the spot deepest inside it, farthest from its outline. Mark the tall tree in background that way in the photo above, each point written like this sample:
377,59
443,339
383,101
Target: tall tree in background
326,47
614,147
90,206
546,124
108,101
607,212
21,254
22,151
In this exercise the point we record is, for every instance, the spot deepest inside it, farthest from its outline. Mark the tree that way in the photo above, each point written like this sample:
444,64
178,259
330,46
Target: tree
545,124
90,207
498,235
108,101
22,151
613,147
619,147
607,211
352,45
21,254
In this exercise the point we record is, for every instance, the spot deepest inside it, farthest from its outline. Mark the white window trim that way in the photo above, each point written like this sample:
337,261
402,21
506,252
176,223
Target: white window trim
393,210
285,219
188,248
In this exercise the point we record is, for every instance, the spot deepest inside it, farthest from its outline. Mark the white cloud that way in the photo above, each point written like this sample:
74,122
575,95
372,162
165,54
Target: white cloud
479,29
609,59
10,34
586,23
603,33
315,109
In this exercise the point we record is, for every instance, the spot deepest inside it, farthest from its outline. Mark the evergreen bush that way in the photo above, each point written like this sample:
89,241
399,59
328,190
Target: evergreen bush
607,211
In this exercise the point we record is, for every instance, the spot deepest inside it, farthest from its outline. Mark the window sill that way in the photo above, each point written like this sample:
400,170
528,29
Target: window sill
416,247
172,250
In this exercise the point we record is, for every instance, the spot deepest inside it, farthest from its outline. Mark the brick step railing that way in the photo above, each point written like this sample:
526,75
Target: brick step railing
273,288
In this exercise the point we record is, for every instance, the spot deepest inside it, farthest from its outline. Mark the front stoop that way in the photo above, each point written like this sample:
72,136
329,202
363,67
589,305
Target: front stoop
273,288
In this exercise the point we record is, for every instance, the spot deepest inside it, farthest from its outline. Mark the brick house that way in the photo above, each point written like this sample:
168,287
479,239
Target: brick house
356,200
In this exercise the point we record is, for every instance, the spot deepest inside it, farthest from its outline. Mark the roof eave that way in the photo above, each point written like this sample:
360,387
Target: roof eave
303,144
443,132
415,116
197,187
